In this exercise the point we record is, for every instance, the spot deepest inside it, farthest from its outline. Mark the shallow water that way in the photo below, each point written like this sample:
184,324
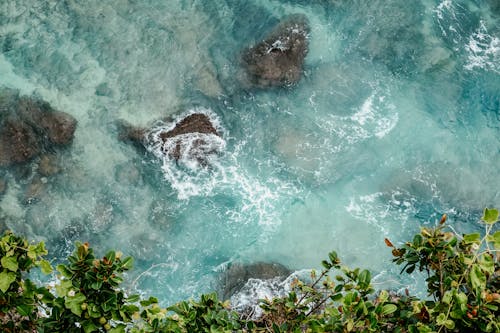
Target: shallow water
395,121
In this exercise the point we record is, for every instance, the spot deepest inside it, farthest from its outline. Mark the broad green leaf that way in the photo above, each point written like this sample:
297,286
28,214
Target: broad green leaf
133,298
64,270
495,238
447,297
388,309
74,304
490,215
472,238
63,287
6,278
10,263
486,263
127,263
477,278
46,267
89,327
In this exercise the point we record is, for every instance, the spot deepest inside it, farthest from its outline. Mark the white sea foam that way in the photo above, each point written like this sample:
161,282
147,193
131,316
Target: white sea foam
375,118
205,168
483,50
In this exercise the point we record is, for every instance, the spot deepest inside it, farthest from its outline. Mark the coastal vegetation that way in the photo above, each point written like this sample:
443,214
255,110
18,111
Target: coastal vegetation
463,280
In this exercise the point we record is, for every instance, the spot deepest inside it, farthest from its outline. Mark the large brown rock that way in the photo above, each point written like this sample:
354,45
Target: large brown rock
18,142
191,124
28,125
58,127
279,59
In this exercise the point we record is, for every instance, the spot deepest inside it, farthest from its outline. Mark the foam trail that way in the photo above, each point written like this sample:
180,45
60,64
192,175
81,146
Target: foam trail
483,50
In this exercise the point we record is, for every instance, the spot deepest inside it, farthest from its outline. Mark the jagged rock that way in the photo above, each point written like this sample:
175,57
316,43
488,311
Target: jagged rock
238,274
279,59
193,123
18,142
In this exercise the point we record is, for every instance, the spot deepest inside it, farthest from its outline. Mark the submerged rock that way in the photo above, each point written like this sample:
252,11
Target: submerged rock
3,186
48,165
278,60
238,274
29,126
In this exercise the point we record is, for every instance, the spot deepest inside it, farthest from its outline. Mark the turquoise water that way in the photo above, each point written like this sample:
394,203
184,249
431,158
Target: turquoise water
395,121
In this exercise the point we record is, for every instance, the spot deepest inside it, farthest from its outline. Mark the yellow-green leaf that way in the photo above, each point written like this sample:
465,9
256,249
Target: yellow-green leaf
46,267
490,215
10,263
74,304
6,279
388,309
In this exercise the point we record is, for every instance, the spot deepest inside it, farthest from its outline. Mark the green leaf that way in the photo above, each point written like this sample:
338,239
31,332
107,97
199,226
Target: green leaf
24,309
486,263
133,298
364,278
127,263
495,238
477,278
10,263
472,238
388,309
46,267
74,304
6,278
449,324
63,287
490,215
64,270
89,327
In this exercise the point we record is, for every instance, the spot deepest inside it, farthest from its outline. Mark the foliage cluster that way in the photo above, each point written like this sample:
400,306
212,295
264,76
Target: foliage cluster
463,278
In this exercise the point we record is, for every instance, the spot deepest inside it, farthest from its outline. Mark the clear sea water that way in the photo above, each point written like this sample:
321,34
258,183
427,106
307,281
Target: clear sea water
395,121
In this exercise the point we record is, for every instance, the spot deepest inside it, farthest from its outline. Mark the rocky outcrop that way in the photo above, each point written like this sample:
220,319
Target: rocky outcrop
237,276
173,140
18,142
28,126
279,59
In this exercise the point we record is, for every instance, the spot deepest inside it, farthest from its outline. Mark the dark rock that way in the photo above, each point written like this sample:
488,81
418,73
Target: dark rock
18,142
3,186
279,59
193,123
130,133
238,274
58,127
28,126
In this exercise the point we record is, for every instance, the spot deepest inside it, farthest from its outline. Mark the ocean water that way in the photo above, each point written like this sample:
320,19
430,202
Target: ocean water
396,120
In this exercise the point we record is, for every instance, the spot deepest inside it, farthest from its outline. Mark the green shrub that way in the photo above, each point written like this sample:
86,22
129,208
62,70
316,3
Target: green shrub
463,277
